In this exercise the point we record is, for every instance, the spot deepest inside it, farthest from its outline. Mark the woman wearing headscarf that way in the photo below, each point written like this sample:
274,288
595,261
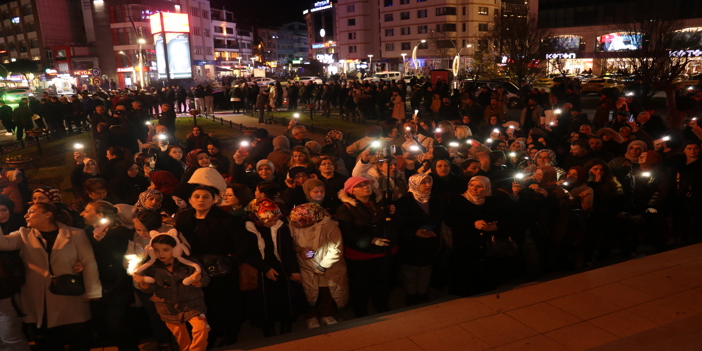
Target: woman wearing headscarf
320,249
581,201
280,157
370,245
197,139
419,217
197,158
277,266
172,161
473,217
165,182
149,199
264,171
127,183
446,183
50,195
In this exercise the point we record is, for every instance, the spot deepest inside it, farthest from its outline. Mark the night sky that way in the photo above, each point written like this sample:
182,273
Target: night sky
265,12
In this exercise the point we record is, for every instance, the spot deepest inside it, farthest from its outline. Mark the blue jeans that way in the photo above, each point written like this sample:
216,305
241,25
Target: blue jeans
11,336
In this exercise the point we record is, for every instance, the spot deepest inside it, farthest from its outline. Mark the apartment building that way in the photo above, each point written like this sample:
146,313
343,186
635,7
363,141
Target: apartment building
233,45
446,27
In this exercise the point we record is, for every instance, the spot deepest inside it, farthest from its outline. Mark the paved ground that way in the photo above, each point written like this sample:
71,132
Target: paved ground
652,303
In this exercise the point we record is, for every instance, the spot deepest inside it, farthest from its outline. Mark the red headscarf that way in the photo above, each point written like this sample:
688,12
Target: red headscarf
164,181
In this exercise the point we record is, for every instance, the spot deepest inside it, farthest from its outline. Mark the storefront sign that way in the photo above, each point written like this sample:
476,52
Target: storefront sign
51,71
561,55
328,44
81,72
685,53
125,69
321,5
325,58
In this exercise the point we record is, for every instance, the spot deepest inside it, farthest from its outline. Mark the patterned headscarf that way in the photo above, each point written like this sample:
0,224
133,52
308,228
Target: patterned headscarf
263,210
414,182
307,215
333,136
53,194
141,203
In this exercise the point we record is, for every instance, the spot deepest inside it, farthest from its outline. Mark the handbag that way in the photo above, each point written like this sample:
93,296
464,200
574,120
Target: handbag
67,284
215,265
248,277
501,246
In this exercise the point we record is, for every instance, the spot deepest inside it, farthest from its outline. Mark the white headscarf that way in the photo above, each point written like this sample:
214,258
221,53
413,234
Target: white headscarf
414,182
480,198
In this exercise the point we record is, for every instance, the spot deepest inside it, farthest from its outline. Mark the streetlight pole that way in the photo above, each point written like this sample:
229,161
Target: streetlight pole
456,61
141,41
414,55
403,63
370,63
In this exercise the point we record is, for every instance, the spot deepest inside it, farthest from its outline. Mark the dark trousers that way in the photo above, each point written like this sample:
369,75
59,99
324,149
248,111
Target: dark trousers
110,319
77,335
369,279
261,112
225,317
20,131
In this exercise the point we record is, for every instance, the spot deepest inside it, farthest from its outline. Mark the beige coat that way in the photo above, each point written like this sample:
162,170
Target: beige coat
71,246
329,254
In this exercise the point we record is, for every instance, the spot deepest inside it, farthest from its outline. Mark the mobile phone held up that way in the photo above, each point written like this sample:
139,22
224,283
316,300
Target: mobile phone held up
310,253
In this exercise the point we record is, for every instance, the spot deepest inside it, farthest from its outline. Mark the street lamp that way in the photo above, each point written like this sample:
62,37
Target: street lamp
141,41
414,54
456,61
370,63
454,67
403,62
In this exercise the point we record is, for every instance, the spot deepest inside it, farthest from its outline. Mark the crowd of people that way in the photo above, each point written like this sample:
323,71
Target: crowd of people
455,197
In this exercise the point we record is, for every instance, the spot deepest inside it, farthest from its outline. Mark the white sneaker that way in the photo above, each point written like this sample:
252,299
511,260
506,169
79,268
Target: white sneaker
312,323
328,320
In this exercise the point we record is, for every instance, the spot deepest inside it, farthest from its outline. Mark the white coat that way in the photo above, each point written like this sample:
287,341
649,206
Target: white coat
71,246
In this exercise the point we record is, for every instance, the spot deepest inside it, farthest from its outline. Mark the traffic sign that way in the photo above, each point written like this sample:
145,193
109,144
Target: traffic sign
96,72
97,81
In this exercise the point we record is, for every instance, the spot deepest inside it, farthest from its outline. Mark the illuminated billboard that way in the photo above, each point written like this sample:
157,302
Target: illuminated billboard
619,41
173,59
173,52
172,22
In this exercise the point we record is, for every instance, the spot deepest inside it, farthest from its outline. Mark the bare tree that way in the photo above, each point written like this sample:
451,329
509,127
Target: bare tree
481,66
521,41
659,59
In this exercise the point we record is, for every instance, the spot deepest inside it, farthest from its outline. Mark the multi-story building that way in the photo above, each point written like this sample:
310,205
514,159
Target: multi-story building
232,44
595,34
119,33
445,26
322,35
277,46
30,29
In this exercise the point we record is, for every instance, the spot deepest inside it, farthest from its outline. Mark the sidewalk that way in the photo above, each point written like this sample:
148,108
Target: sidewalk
273,129
652,303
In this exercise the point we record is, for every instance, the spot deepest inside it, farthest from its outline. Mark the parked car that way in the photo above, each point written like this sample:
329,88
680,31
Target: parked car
263,82
315,79
596,85
387,76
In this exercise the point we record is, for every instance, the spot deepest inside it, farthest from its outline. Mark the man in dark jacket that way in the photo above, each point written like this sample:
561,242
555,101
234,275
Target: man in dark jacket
6,117
52,115
23,119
